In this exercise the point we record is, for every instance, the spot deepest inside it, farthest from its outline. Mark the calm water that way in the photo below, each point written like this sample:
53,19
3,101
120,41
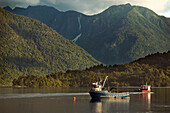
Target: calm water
51,100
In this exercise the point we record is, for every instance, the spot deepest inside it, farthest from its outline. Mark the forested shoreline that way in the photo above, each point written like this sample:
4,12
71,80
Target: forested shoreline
153,69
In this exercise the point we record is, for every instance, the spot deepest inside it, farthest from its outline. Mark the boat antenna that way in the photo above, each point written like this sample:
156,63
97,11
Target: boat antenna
105,81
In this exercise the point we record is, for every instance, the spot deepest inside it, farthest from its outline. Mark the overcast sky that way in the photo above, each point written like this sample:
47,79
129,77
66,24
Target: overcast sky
161,7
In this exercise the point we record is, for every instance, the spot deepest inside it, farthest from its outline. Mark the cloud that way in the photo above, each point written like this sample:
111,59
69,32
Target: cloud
91,6
18,3
156,5
96,6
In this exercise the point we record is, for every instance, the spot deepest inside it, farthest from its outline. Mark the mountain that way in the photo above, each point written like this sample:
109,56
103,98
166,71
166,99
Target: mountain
120,34
29,47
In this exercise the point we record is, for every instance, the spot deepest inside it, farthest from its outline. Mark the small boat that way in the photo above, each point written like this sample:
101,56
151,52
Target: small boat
144,88
98,92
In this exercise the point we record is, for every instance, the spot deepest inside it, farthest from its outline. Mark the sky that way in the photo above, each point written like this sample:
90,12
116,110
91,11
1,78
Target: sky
90,7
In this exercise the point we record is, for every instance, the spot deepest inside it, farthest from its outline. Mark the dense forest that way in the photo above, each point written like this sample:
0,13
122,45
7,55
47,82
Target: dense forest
153,69
28,46
118,35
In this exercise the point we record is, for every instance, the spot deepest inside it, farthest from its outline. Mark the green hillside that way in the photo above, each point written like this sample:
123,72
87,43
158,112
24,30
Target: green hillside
29,47
125,33
120,34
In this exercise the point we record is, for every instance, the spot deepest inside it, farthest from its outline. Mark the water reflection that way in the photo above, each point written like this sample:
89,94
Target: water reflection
96,106
109,105
135,103
147,100
61,101
141,102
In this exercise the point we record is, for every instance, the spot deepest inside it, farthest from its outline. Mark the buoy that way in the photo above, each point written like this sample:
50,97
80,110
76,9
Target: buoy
74,98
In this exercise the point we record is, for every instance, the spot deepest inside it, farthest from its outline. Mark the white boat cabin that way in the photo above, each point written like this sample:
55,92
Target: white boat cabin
96,87
146,87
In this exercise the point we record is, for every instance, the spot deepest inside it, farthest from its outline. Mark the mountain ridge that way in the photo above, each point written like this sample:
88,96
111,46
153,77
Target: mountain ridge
31,47
119,34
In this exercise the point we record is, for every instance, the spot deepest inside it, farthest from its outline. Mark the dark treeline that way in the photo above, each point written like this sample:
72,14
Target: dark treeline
132,74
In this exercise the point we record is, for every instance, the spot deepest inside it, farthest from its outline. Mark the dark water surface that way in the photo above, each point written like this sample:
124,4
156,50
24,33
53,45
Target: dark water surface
55,100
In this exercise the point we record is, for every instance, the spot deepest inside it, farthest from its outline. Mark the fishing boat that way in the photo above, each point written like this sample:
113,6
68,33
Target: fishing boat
98,92
144,88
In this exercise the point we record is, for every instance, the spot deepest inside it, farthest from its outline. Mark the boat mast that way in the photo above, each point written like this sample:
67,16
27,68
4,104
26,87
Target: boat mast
105,81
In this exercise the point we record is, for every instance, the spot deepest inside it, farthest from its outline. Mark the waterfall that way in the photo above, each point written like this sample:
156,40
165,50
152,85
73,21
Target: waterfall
79,35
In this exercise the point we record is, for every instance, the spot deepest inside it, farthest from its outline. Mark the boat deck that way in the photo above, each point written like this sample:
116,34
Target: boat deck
133,93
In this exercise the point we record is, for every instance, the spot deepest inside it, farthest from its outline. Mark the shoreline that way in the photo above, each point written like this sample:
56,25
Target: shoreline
128,87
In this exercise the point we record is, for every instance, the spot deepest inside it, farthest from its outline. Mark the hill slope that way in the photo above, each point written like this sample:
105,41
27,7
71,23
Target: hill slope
153,69
30,47
159,60
119,34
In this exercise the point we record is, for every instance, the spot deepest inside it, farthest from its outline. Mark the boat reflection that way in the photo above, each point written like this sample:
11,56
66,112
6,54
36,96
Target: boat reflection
106,105
147,100
141,102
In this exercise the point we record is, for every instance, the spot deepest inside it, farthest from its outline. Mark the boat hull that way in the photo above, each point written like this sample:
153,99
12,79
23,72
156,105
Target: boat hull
142,91
106,94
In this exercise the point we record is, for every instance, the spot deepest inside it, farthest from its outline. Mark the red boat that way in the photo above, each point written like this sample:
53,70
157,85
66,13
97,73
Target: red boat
144,88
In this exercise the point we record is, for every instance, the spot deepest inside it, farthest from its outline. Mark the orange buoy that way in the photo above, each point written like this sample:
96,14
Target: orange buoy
74,98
